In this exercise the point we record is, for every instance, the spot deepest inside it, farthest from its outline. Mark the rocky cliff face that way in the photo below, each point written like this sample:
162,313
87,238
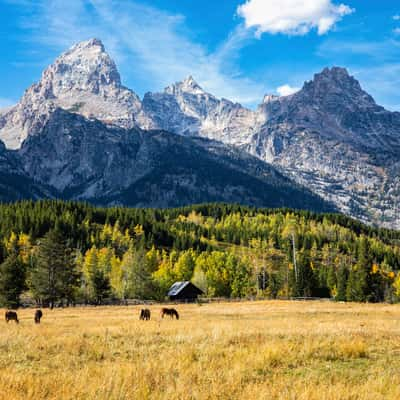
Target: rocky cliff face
186,109
330,136
83,159
15,184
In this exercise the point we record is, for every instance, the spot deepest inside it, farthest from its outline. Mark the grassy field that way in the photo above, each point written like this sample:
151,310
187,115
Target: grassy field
249,350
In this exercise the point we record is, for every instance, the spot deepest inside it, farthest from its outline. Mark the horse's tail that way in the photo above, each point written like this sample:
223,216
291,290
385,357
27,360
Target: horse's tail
176,314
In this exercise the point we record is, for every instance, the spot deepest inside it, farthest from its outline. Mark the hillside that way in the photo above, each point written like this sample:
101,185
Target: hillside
227,250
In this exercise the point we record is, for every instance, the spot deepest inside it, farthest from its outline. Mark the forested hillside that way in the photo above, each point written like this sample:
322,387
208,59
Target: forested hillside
62,252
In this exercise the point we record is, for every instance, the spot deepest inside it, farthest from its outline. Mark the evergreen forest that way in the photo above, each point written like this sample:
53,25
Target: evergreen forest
63,253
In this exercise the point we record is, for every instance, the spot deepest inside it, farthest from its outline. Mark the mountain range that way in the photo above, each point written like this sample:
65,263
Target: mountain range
80,134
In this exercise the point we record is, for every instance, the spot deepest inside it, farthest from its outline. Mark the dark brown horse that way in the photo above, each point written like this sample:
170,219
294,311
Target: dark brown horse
145,314
38,316
169,311
11,316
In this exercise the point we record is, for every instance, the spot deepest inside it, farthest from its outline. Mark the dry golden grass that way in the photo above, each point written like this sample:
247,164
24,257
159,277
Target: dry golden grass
253,350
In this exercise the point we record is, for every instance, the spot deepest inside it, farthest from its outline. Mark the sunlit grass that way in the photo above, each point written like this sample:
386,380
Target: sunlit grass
253,350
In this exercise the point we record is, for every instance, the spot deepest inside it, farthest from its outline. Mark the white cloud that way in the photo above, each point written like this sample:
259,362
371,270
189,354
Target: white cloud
396,31
152,48
286,90
292,17
396,17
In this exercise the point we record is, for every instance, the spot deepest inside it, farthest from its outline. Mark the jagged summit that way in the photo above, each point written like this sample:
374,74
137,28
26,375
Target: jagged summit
84,80
84,67
87,44
188,85
335,71
186,108
338,86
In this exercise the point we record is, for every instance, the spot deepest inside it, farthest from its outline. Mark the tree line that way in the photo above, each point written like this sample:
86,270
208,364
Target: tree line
55,252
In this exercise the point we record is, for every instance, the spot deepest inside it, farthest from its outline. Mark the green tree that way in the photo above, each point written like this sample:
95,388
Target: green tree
12,281
140,283
101,286
354,288
54,277
184,266
341,283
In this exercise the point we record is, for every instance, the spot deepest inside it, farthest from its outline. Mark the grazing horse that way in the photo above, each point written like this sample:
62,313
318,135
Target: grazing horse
169,311
145,314
38,316
11,316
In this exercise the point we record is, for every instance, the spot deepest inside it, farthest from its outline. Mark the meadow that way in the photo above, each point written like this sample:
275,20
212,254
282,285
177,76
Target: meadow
247,350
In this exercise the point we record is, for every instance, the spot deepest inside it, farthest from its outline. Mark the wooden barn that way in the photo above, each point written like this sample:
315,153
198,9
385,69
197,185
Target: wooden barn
184,291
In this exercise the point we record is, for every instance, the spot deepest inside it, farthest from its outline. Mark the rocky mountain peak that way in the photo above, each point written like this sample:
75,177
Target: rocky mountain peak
335,73
85,67
335,86
83,80
188,85
93,42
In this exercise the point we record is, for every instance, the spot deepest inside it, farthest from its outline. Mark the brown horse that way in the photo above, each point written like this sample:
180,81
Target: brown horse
38,316
145,314
11,316
169,311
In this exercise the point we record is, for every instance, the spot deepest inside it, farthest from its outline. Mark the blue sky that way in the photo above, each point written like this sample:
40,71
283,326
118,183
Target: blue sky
238,49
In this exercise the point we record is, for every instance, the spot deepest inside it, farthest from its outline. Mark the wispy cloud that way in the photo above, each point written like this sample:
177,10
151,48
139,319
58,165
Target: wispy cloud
153,46
381,50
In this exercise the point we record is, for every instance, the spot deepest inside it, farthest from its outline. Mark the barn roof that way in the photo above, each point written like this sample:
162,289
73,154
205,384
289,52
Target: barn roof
177,287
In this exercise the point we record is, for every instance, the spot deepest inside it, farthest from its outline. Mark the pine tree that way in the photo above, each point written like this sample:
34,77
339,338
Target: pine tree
362,277
101,286
54,277
331,279
306,282
354,288
12,281
341,283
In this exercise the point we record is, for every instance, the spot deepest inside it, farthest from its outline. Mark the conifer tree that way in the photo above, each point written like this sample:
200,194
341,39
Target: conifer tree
341,283
101,286
54,277
12,281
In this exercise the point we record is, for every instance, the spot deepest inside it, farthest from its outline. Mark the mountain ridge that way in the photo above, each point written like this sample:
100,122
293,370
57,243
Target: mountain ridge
330,136
74,158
